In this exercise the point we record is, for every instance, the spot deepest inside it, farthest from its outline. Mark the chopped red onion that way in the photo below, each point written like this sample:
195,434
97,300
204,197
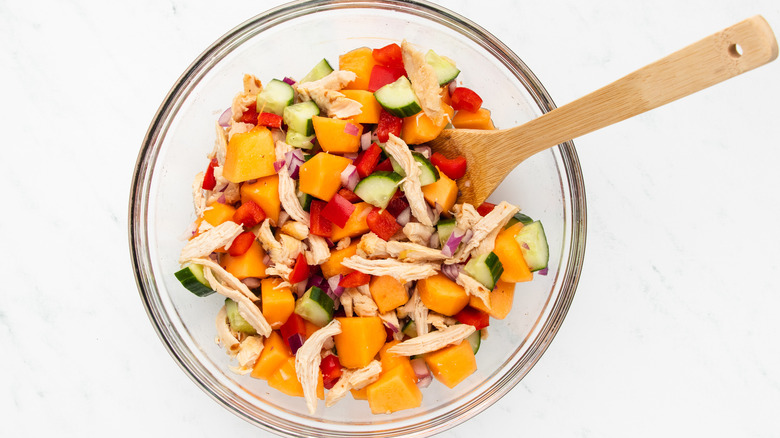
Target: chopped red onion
221,199
452,242
425,150
451,87
543,271
452,271
351,129
278,135
283,216
393,328
333,285
466,237
404,216
278,166
251,282
374,137
365,140
316,280
422,372
214,257
224,119
525,245
350,177
294,160
288,81
266,260
295,341
434,241
299,288
352,156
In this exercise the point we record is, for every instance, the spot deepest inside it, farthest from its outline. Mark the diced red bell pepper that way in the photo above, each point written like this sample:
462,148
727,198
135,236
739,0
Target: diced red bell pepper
390,56
209,181
454,168
319,225
349,195
385,166
331,370
241,243
355,279
381,76
475,317
270,120
338,210
250,115
465,99
249,214
485,208
294,324
397,204
300,271
388,124
388,334
382,223
367,160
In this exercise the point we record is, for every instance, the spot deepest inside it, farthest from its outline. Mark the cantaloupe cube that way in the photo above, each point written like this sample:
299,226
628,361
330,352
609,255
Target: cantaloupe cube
394,391
511,256
321,175
356,224
501,298
479,119
275,353
265,193
286,381
390,360
451,365
218,214
277,302
360,394
388,293
333,265
337,136
443,192
249,155
248,264
360,340
442,295
419,128
370,108
360,61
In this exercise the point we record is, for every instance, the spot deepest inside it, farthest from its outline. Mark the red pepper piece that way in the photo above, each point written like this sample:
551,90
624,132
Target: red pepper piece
250,115
300,271
270,120
249,214
475,317
381,76
320,226
465,99
355,279
485,208
294,324
454,168
385,166
209,181
389,56
349,195
388,334
331,370
241,243
388,124
397,204
382,223
367,160
338,210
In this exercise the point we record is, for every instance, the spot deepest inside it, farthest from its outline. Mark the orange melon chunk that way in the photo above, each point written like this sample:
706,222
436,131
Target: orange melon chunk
265,193
479,119
370,107
249,264
218,214
501,298
419,128
286,381
388,293
278,302
451,365
359,394
356,224
249,155
511,256
337,136
321,175
359,61
390,360
275,353
394,391
442,295
360,340
333,265
443,192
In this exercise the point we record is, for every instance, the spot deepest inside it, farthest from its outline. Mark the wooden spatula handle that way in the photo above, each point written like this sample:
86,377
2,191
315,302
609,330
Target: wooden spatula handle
723,55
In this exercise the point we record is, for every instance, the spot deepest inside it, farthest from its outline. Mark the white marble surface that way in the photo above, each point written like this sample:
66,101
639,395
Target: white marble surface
673,330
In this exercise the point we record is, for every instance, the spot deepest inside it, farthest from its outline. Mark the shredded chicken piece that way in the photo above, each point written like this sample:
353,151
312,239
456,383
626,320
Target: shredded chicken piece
400,152
425,83
206,243
281,253
252,85
295,229
496,219
198,199
318,252
324,92
466,216
246,306
226,338
401,271
287,195
353,379
204,226
418,233
282,271
343,243
488,243
415,309
226,277
220,145
474,288
483,334
239,128
241,104
249,351
372,245
346,300
307,361
390,319
363,305
433,341
440,321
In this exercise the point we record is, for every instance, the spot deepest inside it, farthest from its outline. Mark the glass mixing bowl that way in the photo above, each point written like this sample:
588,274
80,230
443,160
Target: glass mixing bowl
288,41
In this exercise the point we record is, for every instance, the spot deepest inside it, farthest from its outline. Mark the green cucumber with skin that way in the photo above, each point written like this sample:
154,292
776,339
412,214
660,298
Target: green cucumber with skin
445,227
275,97
191,277
533,244
445,71
398,98
378,188
475,339
315,306
319,71
518,217
237,322
486,269
298,117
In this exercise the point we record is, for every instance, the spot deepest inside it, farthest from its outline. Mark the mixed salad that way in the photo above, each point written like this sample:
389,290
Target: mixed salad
345,262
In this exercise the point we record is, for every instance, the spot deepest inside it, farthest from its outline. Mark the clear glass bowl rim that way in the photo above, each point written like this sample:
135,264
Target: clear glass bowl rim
575,218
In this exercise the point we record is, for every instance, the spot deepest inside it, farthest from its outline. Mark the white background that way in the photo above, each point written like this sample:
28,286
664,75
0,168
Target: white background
672,332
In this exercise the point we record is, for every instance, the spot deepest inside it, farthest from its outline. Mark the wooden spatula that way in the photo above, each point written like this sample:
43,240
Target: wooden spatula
491,155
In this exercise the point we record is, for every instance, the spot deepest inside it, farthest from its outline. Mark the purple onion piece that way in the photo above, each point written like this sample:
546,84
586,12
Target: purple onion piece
251,282
278,166
404,216
295,341
350,177
266,260
288,81
466,237
434,241
316,280
224,119
525,245
452,243
542,271
299,288
333,285
424,382
451,87
365,140
351,129
221,199
452,271
352,156
421,371
425,150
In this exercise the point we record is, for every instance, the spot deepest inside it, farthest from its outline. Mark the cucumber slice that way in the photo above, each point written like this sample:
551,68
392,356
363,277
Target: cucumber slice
191,277
397,167
533,244
276,95
428,172
486,269
398,98
445,227
518,217
319,71
237,322
475,339
305,200
298,140
298,117
445,70
378,188
315,306
410,329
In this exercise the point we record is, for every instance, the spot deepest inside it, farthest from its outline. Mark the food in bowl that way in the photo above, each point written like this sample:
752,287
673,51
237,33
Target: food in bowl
335,243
